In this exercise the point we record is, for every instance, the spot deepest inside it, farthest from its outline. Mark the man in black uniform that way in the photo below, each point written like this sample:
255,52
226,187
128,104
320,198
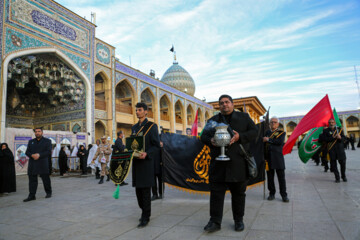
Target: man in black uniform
143,166
334,136
119,147
38,151
274,142
231,174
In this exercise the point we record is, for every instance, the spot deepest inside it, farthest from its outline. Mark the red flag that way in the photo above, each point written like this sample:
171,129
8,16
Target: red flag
317,117
194,128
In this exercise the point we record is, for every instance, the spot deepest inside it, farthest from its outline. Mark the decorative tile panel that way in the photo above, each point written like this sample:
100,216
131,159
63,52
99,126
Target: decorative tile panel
145,85
99,68
120,76
82,63
162,92
16,41
100,114
40,18
102,53
181,100
1,33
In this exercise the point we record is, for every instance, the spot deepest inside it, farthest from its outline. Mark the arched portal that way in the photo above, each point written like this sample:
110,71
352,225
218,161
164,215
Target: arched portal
124,96
99,129
148,98
62,90
290,126
352,122
178,112
190,115
164,108
100,93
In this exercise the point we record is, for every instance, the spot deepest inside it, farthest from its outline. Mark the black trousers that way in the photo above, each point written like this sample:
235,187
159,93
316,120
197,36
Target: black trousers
83,165
158,185
334,168
217,196
143,196
280,173
33,184
325,163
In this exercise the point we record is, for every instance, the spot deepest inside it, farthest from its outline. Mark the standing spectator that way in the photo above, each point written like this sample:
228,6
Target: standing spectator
103,152
38,151
7,170
274,142
352,141
82,153
63,161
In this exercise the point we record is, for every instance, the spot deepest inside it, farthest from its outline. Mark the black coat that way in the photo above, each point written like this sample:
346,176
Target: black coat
273,149
143,169
234,170
7,171
82,154
119,146
335,146
43,147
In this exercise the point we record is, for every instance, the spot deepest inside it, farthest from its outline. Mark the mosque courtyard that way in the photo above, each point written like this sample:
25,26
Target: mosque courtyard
80,208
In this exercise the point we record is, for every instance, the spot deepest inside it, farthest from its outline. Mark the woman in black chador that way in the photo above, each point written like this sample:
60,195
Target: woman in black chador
82,154
7,170
63,161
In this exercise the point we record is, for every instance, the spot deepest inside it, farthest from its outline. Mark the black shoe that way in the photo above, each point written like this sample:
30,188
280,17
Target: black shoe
285,199
108,177
212,227
239,226
28,199
344,179
325,170
271,197
160,196
143,223
101,180
337,180
48,195
97,177
124,184
154,197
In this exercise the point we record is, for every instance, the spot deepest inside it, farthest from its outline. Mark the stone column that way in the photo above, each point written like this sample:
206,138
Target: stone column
172,114
113,80
157,119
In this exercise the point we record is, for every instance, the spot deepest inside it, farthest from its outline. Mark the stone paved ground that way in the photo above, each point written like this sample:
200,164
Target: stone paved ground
82,209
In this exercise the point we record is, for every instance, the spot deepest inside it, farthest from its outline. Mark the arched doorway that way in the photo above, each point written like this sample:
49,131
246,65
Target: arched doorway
164,108
124,97
148,98
190,115
60,85
290,127
200,117
352,122
99,130
207,116
178,112
100,93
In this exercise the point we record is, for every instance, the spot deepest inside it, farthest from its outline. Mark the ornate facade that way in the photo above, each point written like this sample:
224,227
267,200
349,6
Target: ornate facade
251,105
57,75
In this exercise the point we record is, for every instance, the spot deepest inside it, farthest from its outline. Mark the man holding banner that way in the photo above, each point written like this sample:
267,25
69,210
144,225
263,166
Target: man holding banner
232,174
334,136
143,166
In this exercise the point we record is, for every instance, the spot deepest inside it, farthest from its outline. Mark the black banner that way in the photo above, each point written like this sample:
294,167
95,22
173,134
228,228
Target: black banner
186,162
120,166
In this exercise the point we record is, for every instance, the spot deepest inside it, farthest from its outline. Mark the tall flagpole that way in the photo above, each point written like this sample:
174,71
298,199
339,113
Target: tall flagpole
357,83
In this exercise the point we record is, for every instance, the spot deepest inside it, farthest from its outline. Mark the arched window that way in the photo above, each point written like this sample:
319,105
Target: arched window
178,112
124,97
352,122
290,126
164,108
148,99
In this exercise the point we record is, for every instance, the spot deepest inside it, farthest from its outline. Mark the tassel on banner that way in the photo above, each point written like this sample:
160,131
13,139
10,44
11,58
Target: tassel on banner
116,194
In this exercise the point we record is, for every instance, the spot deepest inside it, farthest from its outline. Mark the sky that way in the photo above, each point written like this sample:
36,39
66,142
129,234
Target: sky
289,54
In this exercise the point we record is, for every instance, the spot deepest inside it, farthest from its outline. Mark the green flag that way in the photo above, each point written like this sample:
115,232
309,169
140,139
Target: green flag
337,120
310,144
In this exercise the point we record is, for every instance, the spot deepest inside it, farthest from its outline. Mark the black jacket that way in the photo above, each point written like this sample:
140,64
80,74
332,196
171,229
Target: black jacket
143,169
234,170
43,147
119,146
7,171
335,146
273,149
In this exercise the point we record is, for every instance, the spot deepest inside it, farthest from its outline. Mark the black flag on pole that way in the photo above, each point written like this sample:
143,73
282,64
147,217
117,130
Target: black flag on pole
172,48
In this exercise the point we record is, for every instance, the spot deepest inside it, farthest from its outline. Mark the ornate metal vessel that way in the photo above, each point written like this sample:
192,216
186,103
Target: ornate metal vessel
222,138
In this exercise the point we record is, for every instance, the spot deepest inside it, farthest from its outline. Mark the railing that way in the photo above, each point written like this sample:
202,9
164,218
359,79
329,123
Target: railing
178,120
101,105
164,117
352,124
73,163
124,108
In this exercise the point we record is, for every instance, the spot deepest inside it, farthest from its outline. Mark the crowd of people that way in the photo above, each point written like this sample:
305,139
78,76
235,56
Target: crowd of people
147,179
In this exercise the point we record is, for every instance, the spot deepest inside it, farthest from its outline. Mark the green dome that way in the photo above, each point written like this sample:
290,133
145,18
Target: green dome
177,77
